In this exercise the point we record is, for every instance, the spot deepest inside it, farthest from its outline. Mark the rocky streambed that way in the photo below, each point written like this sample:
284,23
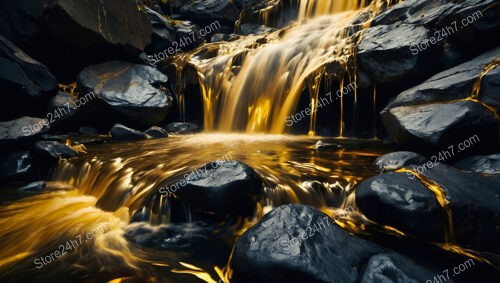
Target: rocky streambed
152,120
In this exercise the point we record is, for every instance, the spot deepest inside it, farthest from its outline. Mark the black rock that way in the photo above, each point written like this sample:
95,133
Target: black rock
181,128
283,247
489,164
163,34
395,160
124,133
440,125
402,201
414,12
207,11
16,165
387,53
34,187
16,130
25,82
456,83
80,32
53,150
125,92
156,132
226,187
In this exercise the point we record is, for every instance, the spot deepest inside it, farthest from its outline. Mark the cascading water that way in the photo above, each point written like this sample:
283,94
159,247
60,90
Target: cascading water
116,182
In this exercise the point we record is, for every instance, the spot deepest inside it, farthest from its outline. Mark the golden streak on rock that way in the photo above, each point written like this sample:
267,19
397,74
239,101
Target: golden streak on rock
476,88
440,194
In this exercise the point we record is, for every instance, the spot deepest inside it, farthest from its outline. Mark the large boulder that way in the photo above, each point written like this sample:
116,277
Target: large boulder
26,83
66,35
456,83
440,125
224,187
404,202
126,93
414,12
297,243
387,53
16,131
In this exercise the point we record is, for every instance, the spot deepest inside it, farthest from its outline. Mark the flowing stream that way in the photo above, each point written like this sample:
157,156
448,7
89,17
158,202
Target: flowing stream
248,92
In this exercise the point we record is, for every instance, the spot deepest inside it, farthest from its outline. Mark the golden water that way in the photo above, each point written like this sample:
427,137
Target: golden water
111,182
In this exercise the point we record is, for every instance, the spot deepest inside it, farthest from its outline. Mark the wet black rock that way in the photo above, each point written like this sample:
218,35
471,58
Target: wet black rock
207,11
224,187
181,128
414,12
156,132
16,165
489,164
402,201
395,160
456,83
14,131
482,21
163,32
34,187
121,92
26,83
274,250
123,133
67,35
53,150
385,53
441,125
320,145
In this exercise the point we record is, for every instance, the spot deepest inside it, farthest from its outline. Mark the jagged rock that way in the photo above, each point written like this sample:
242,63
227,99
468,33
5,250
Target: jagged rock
440,125
163,34
67,35
156,132
15,165
181,128
481,17
126,93
402,201
387,53
54,150
34,187
226,187
15,130
395,160
414,12
124,133
489,164
283,247
456,83
208,11
25,82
